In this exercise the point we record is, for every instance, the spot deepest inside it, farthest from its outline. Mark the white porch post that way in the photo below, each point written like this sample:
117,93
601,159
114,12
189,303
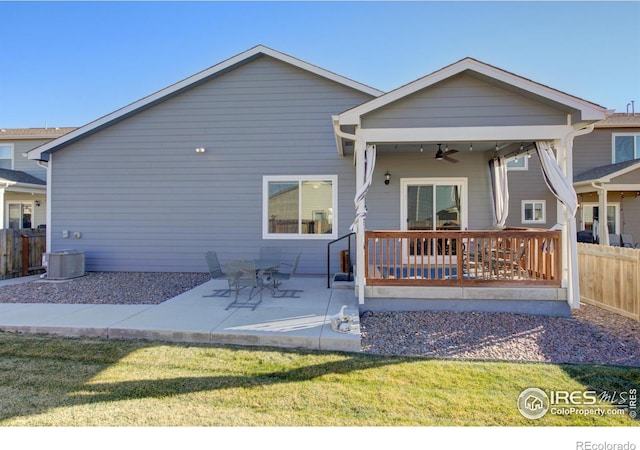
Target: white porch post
603,228
360,147
570,278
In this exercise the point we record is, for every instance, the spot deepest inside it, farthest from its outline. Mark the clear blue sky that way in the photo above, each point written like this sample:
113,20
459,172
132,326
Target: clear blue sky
68,63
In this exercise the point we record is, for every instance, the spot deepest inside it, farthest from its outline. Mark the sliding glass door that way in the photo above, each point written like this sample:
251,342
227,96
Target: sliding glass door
432,204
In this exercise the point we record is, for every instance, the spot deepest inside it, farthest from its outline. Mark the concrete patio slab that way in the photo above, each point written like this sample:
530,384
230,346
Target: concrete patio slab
299,320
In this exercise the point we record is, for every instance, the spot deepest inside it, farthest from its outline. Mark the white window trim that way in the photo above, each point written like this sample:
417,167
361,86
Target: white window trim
613,145
21,203
13,159
405,182
544,211
616,205
265,207
526,163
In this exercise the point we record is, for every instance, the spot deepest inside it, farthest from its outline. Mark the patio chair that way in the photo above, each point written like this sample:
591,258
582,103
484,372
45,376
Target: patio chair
279,276
627,241
216,272
242,274
614,240
472,265
213,263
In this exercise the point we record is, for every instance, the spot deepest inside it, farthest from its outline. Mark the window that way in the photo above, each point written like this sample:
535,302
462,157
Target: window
20,215
6,156
590,211
299,207
534,211
519,163
626,146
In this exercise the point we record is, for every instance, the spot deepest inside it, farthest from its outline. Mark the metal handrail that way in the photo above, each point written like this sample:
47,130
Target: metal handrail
329,257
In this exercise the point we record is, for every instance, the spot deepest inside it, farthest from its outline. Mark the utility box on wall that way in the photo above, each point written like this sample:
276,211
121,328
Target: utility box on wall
64,264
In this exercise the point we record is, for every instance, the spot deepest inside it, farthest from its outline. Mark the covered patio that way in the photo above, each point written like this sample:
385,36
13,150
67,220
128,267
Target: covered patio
432,192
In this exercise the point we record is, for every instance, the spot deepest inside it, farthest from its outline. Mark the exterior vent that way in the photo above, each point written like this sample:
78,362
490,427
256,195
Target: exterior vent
65,264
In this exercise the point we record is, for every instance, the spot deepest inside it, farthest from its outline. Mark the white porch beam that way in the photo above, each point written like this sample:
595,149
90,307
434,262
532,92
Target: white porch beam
520,133
623,187
588,187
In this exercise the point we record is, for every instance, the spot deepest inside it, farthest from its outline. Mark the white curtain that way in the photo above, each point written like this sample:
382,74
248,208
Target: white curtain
563,190
500,191
556,181
361,194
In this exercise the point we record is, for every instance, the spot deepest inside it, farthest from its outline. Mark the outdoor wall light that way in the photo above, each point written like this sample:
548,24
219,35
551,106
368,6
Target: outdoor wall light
200,150
37,202
387,178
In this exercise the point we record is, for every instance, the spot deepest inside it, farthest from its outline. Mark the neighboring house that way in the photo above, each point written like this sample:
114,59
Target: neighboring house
23,193
264,149
607,176
606,167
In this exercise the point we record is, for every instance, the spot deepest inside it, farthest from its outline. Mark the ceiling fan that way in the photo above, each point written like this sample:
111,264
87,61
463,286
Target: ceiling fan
440,154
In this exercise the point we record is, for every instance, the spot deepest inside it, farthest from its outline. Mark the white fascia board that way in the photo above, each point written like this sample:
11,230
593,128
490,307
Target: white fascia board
525,133
27,188
319,71
584,187
589,111
159,95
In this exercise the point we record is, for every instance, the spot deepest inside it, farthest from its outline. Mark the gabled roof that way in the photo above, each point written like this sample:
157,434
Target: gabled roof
605,174
16,176
189,82
590,111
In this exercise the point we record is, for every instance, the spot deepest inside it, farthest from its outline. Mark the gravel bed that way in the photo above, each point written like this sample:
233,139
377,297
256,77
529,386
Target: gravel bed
117,288
590,336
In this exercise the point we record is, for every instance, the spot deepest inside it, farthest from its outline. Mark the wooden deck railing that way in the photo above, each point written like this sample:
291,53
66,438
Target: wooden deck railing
463,258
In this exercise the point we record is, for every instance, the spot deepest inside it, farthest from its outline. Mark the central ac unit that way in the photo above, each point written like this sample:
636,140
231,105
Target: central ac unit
65,264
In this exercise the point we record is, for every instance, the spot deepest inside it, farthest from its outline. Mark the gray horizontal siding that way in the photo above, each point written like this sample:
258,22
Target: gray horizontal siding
595,149
592,150
22,163
529,185
145,201
463,100
383,201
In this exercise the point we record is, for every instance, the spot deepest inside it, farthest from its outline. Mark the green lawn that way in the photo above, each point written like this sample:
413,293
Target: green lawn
47,381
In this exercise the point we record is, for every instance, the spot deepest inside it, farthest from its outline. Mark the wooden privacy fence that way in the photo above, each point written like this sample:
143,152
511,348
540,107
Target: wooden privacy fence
21,252
610,278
